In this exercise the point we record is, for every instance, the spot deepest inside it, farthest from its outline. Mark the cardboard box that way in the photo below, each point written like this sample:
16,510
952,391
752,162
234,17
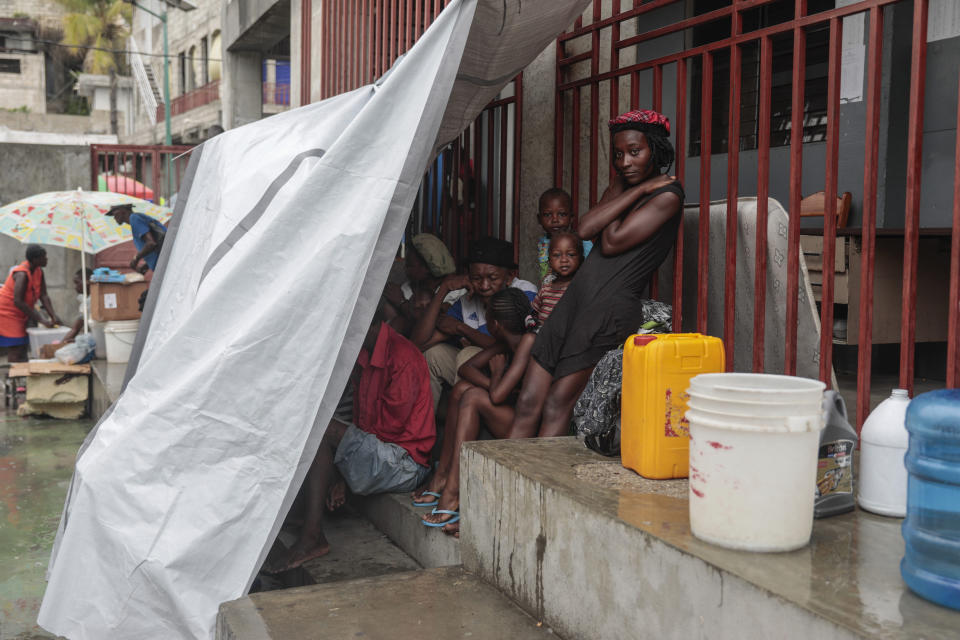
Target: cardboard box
115,301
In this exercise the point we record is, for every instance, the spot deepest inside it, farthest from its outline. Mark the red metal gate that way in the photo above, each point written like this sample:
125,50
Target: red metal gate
473,187
146,172
597,40
140,167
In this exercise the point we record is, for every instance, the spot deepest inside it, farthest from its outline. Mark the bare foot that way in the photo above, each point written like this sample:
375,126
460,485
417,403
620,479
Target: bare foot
337,495
452,529
304,550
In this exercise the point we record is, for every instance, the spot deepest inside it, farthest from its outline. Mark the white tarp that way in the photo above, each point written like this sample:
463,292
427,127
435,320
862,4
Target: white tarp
281,249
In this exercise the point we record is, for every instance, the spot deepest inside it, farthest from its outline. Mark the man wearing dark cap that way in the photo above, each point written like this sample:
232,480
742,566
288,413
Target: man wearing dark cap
448,339
148,235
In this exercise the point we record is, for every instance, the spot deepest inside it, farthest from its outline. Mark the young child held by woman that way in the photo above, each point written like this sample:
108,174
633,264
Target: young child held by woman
555,214
485,392
566,255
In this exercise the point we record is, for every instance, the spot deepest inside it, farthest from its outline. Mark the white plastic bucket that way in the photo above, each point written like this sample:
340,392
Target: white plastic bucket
753,477
746,407
119,337
97,331
759,387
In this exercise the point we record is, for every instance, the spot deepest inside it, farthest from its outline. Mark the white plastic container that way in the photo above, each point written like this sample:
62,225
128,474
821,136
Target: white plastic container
40,336
119,337
883,443
753,466
759,387
97,331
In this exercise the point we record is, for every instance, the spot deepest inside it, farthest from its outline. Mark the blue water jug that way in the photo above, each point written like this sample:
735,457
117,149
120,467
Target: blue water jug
931,563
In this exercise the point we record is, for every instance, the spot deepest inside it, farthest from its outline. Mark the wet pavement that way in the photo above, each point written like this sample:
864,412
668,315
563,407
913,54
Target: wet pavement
36,462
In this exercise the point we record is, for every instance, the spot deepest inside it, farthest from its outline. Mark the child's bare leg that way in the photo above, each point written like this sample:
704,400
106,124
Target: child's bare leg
533,394
316,487
474,405
439,478
558,409
337,495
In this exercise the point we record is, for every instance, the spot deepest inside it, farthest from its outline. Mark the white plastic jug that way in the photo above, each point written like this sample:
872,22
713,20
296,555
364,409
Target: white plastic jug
883,443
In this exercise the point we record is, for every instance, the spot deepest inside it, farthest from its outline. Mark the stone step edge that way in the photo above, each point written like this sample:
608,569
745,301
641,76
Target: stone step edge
394,516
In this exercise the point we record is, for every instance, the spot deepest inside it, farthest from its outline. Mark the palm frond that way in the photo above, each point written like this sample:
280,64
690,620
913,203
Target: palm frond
120,11
99,61
80,29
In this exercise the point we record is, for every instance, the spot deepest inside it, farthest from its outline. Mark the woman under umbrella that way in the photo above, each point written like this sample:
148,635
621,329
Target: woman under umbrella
24,286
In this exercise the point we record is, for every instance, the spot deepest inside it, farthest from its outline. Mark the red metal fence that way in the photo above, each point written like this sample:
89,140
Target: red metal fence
473,187
140,167
727,34
138,171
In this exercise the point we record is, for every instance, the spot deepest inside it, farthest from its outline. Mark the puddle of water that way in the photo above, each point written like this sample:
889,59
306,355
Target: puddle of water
36,462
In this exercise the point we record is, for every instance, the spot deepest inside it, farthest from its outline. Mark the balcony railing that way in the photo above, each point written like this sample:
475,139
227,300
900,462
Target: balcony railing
196,98
274,93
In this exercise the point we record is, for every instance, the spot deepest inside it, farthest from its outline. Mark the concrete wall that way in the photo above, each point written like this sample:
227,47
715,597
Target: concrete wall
25,170
46,12
27,88
95,123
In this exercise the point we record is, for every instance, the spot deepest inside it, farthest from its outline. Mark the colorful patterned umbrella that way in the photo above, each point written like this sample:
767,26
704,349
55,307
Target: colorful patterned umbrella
55,218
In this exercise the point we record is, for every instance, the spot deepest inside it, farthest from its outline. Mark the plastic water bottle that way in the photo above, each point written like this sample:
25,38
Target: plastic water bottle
883,443
931,564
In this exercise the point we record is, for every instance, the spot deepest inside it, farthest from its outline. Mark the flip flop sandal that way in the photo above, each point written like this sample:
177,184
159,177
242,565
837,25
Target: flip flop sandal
428,504
455,518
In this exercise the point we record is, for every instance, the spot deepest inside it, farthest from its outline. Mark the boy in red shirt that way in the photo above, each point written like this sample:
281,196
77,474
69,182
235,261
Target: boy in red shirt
387,447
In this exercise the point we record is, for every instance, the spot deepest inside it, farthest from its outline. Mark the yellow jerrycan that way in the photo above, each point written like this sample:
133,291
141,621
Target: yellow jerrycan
654,435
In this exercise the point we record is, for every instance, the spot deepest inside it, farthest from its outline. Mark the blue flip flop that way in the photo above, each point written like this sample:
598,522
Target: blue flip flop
428,504
455,518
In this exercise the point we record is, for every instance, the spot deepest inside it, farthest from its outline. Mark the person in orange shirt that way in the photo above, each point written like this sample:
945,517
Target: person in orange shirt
24,286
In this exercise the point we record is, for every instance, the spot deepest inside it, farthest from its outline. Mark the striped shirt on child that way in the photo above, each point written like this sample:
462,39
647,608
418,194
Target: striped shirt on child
547,298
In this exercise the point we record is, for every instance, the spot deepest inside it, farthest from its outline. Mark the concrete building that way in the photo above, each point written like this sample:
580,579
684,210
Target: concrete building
38,92
214,79
256,55
194,68
22,69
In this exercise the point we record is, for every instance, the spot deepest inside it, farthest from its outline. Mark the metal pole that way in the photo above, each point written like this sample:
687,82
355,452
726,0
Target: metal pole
167,138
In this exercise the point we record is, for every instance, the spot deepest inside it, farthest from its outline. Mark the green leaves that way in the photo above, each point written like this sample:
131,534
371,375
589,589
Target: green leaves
103,24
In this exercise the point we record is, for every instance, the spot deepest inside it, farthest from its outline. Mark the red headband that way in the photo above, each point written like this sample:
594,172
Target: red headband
642,116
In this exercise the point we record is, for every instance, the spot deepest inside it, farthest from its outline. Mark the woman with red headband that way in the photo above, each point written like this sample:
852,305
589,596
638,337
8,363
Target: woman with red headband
634,226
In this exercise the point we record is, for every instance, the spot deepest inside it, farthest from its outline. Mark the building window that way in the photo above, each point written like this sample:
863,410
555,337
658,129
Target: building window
9,65
815,85
205,61
182,68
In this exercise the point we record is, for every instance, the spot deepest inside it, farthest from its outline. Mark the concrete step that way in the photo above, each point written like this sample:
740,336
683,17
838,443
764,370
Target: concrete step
395,516
357,550
417,605
597,554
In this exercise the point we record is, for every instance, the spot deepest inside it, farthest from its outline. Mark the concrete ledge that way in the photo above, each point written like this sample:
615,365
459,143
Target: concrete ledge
417,605
598,562
399,520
